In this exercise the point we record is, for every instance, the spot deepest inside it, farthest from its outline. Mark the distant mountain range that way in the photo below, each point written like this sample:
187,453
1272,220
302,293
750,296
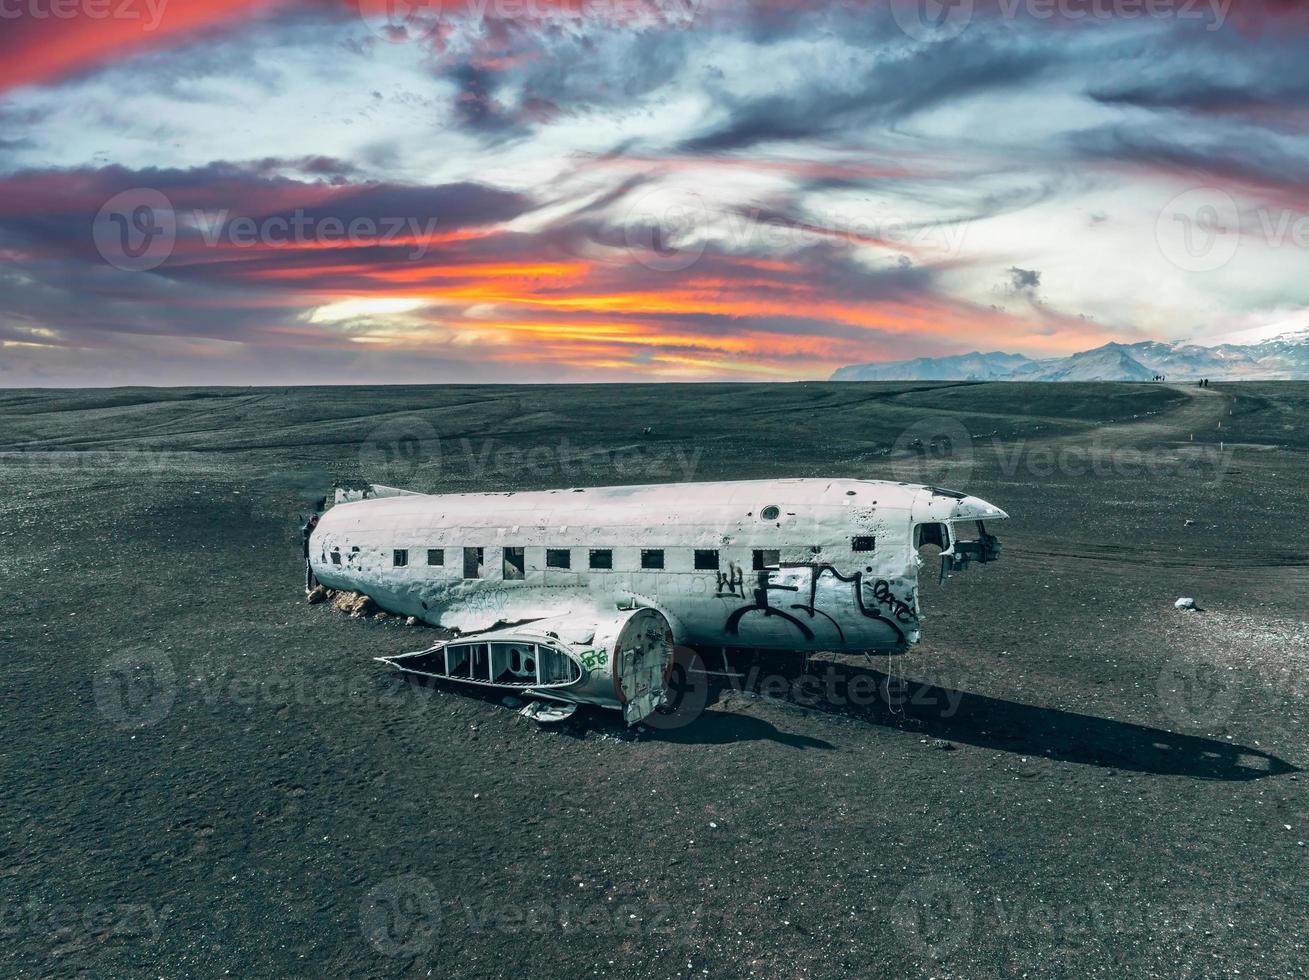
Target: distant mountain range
1281,358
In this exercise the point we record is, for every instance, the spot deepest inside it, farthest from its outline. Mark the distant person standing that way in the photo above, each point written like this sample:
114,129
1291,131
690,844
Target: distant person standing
306,532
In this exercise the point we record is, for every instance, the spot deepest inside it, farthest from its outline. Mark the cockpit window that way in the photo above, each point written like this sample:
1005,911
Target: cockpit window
936,534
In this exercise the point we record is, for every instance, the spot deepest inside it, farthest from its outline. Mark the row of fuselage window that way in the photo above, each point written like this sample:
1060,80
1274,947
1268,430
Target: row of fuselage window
598,559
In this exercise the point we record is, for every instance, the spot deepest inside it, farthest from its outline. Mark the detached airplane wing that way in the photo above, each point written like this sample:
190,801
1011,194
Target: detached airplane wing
620,660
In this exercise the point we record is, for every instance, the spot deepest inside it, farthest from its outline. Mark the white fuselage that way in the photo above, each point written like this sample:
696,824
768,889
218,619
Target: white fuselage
773,564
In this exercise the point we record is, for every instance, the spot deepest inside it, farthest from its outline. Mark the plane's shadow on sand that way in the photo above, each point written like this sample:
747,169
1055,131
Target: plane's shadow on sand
1002,725
938,713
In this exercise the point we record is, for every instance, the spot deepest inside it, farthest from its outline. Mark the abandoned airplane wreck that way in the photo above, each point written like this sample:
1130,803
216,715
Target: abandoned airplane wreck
580,596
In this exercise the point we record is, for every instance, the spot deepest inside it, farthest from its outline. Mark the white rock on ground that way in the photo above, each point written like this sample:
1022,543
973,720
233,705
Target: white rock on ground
1184,603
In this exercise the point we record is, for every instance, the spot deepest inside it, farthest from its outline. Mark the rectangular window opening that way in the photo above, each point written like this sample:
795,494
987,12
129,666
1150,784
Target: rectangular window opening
515,565
652,557
862,542
472,563
400,557
436,556
602,558
706,559
558,558
766,558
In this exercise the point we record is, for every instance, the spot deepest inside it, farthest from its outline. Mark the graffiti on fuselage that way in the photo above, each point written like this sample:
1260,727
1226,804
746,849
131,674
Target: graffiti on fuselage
493,601
902,611
761,604
731,582
592,659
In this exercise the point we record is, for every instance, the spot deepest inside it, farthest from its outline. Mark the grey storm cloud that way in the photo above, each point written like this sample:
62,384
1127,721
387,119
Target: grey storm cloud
1235,152
1024,280
241,189
884,90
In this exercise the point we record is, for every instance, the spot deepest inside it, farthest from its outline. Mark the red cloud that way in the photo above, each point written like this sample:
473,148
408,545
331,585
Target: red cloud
55,38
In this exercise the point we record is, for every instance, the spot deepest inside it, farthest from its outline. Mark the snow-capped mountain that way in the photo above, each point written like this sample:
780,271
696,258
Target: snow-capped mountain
959,367
1281,358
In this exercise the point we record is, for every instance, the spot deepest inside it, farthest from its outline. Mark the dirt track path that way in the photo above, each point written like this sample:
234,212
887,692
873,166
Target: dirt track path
1204,409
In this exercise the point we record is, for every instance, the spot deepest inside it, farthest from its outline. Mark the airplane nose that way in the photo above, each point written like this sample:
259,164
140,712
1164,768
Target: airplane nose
977,509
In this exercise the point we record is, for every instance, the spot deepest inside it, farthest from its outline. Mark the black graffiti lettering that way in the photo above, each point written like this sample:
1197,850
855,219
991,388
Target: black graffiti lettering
902,610
731,582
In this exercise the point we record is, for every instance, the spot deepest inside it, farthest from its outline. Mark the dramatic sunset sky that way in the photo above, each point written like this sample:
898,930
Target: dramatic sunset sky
301,191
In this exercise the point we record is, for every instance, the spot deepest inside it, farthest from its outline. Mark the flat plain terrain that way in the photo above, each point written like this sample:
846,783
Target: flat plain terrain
203,775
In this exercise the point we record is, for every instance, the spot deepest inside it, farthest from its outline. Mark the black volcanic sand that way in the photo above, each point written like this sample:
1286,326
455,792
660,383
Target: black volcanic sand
204,775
